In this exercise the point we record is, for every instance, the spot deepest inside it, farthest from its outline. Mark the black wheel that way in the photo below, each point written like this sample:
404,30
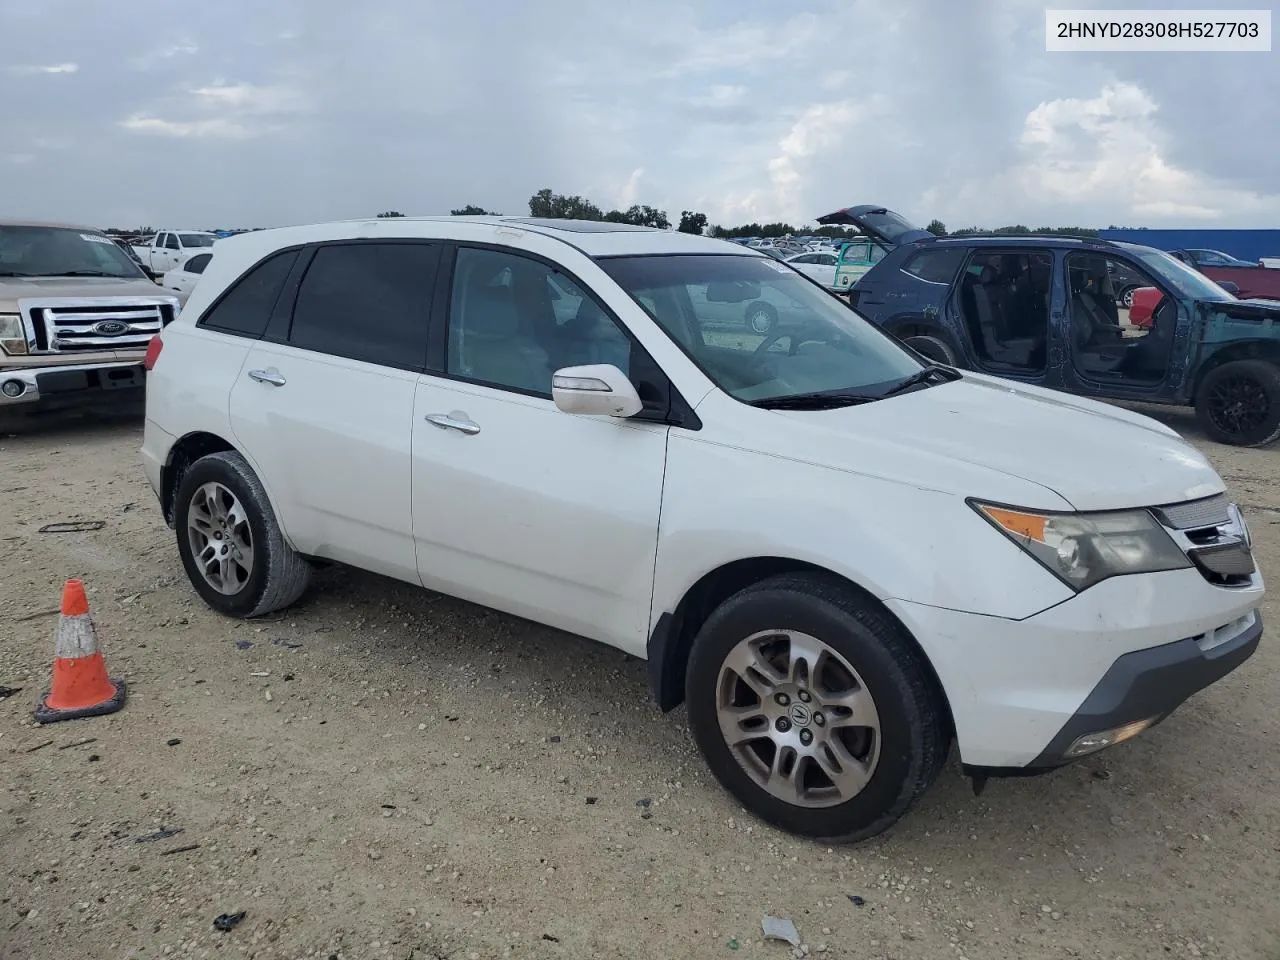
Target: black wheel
936,346
1239,403
231,545
760,317
814,709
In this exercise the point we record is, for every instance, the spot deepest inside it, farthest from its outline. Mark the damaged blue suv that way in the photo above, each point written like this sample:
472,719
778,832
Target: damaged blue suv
1091,317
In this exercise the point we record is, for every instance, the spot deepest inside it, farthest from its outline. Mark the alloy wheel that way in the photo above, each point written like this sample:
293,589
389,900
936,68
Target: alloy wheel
797,718
1238,405
220,537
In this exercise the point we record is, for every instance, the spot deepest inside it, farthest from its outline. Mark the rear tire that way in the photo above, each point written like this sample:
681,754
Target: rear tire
1238,403
883,765
221,497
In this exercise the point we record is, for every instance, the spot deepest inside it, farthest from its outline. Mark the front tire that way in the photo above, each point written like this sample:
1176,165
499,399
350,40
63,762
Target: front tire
814,709
230,542
1238,403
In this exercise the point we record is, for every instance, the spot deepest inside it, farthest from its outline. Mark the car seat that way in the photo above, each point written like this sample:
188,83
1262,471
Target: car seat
488,343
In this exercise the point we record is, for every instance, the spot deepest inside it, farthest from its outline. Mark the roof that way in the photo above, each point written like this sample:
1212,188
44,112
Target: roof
592,237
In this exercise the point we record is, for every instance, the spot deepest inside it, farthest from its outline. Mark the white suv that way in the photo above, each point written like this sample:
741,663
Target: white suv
840,557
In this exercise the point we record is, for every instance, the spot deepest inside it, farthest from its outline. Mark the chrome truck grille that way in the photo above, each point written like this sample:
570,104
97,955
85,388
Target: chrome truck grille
93,324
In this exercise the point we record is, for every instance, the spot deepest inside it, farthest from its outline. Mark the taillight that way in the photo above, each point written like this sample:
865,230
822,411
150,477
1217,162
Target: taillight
154,346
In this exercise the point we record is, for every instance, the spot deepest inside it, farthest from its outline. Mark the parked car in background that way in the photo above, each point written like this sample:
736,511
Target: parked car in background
820,266
840,556
133,255
1252,280
182,280
76,314
171,248
1046,310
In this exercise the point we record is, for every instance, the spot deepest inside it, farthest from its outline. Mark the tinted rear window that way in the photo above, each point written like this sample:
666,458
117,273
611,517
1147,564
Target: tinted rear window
246,308
935,266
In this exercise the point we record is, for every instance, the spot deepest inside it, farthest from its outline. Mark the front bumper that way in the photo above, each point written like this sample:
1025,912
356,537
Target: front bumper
24,385
1131,648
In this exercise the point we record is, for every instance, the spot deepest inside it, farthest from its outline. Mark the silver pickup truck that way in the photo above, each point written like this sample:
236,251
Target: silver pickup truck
76,315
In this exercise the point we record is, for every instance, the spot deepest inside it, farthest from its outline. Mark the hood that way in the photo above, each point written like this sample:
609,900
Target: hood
974,436
13,289
883,225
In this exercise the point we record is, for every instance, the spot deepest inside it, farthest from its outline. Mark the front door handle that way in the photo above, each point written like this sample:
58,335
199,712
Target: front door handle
271,376
454,421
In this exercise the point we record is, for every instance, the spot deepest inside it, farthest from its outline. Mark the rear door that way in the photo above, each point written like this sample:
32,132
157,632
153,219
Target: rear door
324,403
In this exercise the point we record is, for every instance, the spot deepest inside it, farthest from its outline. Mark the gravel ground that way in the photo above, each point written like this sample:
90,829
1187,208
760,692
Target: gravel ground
389,773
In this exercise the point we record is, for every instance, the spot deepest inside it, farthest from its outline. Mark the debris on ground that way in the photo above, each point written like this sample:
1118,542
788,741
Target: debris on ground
6,692
40,746
591,800
547,936
644,802
79,743
243,644
282,642
158,835
172,742
733,943
856,900
74,526
37,615
189,847
780,928
226,921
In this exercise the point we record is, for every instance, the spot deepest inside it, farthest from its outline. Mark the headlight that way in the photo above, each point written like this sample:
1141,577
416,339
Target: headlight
1084,548
13,339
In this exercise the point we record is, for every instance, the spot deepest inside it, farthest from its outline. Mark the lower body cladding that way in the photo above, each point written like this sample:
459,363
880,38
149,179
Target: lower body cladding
1030,695
70,382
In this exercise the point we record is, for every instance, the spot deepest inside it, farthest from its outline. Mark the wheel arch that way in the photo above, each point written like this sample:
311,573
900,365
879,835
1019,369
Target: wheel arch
671,642
1259,349
186,451
915,325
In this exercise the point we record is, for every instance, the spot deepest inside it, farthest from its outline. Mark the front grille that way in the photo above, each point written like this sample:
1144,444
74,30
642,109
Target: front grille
1210,512
82,326
1211,533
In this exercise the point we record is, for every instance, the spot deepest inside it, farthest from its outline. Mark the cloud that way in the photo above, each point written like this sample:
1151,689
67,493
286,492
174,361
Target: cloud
217,127
53,68
630,191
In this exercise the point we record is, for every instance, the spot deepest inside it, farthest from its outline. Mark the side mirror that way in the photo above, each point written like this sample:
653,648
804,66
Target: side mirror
1230,287
595,390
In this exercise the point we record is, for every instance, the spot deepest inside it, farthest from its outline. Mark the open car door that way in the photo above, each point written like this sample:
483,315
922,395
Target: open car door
882,225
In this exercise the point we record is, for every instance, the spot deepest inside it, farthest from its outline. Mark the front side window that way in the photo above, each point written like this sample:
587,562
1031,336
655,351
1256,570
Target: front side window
197,263
368,302
760,331
35,251
514,321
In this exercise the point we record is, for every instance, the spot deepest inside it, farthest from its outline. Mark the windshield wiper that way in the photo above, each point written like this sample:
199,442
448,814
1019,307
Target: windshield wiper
922,376
83,273
812,401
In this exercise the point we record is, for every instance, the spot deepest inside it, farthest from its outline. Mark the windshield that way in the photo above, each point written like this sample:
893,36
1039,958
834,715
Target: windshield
759,329
1187,281
60,252
197,239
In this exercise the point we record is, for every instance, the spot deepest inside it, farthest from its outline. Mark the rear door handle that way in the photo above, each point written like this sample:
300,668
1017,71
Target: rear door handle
271,376
454,421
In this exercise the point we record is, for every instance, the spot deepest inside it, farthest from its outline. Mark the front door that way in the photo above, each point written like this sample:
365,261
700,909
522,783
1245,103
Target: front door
328,410
1120,324
519,506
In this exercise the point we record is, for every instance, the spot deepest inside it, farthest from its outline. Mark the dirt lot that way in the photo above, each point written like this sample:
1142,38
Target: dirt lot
387,773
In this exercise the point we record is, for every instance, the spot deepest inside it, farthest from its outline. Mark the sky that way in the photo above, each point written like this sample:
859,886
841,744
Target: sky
258,113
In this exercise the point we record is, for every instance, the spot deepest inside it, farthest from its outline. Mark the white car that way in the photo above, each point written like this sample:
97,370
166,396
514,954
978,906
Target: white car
821,266
842,559
182,279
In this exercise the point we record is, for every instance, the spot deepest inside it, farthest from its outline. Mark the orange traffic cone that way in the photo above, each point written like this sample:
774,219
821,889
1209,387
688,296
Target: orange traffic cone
81,687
